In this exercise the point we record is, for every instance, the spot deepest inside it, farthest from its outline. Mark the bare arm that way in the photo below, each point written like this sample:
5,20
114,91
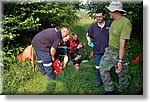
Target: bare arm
52,52
88,38
121,53
122,48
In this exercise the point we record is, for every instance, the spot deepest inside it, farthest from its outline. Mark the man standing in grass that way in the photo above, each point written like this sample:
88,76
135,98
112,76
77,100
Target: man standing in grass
116,54
99,33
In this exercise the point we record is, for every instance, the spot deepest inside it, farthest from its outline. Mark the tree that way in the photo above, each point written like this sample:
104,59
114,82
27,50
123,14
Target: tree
22,20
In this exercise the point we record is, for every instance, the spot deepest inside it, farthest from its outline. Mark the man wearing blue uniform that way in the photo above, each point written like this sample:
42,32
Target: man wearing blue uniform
45,44
99,33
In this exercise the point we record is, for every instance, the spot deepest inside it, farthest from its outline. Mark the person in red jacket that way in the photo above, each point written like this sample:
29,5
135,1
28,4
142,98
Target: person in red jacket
74,42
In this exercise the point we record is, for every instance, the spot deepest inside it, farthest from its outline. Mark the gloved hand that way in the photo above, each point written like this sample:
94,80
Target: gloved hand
91,44
65,47
53,58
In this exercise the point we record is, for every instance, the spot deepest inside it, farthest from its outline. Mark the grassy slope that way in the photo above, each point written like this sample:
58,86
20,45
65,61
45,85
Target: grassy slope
71,81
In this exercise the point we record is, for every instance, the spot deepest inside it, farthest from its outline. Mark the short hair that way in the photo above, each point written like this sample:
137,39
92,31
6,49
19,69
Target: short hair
100,11
65,28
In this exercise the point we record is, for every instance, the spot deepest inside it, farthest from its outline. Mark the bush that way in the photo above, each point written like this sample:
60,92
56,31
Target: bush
15,75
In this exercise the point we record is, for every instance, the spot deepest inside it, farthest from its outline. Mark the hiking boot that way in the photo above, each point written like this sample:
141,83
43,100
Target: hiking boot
98,83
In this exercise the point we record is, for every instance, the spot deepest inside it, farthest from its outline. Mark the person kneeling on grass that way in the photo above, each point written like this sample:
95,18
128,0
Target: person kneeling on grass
78,55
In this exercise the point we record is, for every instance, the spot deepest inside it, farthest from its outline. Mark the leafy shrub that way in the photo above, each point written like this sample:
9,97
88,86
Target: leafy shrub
15,74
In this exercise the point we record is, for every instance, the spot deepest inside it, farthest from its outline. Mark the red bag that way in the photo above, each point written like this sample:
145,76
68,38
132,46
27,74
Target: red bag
57,66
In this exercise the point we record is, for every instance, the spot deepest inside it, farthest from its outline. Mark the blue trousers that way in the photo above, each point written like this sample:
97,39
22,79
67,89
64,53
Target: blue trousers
44,60
97,57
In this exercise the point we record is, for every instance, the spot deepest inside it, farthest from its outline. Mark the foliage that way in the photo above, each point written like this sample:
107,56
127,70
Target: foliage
22,20
15,76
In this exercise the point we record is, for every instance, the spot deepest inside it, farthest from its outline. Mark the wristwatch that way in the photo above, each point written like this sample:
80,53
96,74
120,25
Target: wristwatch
120,60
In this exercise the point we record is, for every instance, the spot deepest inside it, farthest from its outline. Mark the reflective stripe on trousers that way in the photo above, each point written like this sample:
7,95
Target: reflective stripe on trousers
47,65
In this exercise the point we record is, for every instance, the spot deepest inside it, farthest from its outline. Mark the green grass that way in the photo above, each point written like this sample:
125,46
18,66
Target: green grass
70,81
19,77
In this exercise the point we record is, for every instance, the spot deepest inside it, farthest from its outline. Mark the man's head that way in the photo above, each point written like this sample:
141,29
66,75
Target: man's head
75,37
115,8
100,16
66,38
65,31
